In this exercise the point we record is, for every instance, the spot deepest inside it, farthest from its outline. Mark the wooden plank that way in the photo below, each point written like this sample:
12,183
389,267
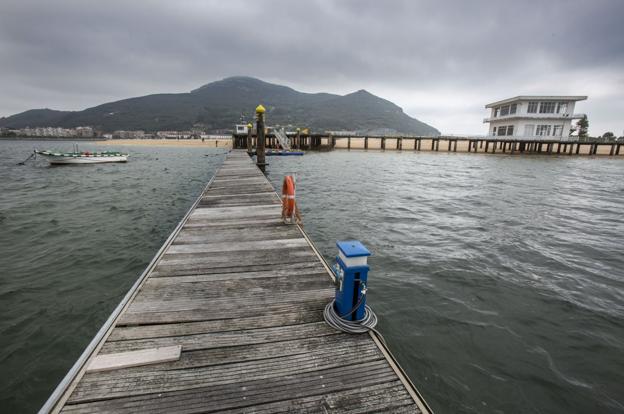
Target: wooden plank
100,387
247,393
108,362
241,245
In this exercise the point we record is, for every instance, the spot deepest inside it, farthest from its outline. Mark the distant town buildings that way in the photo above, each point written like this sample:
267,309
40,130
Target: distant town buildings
533,117
174,134
129,134
55,132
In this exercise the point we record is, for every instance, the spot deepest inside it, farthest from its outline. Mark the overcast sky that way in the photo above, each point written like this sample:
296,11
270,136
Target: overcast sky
441,61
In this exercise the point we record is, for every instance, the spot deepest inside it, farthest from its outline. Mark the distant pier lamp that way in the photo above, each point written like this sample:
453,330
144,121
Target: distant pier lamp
249,136
351,271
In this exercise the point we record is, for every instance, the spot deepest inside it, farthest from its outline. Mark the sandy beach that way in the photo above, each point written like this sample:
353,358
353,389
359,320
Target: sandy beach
208,143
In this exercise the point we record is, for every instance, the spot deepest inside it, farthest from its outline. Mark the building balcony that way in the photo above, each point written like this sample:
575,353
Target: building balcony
533,116
531,138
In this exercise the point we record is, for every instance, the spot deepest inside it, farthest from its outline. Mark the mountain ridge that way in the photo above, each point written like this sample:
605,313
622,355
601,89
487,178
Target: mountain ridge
219,105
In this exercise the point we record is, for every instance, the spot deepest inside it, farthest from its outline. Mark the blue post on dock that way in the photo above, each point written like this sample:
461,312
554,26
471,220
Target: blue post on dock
351,271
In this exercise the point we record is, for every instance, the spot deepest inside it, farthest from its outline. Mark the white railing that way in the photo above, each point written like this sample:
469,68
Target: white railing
283,139
533,116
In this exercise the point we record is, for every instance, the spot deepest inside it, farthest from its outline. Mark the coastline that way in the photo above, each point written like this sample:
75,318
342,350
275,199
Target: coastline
208,143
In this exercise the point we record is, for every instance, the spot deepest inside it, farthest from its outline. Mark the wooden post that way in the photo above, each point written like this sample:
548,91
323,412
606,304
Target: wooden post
432,144
504,146
260,153
487,144
419,139
559,148
494,147
617,149
449,146
383,143
513,147
349,143
455,146
612,149
249,133
578,148
595,149
438,144
365,142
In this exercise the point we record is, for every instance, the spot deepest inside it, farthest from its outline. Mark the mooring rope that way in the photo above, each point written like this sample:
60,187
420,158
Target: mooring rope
367,323
33,155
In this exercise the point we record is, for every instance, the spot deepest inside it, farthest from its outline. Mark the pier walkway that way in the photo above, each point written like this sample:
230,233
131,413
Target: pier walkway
241,295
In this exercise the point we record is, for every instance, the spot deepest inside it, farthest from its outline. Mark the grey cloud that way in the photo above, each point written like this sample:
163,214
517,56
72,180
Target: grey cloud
74,54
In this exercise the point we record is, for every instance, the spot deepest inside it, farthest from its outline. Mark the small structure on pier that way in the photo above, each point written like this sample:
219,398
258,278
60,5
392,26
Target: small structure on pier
533,117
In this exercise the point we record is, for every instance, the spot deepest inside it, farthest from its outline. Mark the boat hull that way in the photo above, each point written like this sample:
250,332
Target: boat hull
83,159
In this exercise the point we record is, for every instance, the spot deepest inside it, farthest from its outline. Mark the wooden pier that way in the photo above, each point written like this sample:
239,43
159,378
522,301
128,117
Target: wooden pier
228,318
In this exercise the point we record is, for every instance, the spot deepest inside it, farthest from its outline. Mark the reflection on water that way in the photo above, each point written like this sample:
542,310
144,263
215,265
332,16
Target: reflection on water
498,280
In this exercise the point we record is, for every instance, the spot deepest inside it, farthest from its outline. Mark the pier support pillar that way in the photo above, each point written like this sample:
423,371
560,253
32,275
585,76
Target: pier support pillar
383,143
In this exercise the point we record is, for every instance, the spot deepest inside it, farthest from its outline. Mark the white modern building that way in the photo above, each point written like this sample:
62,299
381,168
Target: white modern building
533,117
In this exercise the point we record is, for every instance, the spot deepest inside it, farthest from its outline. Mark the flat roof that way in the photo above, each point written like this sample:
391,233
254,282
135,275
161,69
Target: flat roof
538,98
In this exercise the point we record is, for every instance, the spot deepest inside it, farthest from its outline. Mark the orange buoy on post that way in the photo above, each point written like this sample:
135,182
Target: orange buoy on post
289,205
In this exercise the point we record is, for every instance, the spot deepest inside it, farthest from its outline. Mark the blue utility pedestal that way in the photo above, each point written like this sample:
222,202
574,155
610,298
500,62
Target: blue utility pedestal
351,271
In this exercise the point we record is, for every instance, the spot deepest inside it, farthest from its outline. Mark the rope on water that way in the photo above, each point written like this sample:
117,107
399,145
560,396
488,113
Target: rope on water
33,155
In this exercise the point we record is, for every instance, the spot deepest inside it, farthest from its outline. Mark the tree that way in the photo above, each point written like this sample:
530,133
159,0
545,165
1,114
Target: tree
582,125
608,135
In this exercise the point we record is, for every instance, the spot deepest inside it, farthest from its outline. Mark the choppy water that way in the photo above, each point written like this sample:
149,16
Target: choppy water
73,239
499,281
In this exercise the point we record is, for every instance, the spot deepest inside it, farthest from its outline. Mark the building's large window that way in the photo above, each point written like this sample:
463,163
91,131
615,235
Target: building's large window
510,130
494,131
504,110
529,130
502,131
532,108
542,130
547,108
513,108
562,108
495,112
558,130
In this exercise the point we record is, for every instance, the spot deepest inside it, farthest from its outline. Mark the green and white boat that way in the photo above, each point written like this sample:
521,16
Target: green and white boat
82,157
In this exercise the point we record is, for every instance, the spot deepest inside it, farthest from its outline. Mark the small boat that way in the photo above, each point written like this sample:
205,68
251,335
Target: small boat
82,157
283,153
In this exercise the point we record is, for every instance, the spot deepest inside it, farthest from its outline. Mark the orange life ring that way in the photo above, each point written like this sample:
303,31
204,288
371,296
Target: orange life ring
288,196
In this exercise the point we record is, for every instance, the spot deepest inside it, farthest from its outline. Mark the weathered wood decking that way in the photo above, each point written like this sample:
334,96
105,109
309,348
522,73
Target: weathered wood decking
242,294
